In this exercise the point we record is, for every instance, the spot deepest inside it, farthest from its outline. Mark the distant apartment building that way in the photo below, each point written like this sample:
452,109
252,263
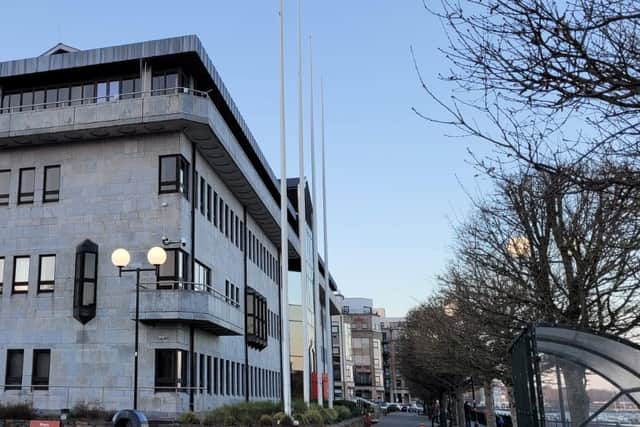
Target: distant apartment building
366,342
396,388
342,353
137,146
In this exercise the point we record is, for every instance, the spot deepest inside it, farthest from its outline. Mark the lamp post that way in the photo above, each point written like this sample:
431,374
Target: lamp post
120,258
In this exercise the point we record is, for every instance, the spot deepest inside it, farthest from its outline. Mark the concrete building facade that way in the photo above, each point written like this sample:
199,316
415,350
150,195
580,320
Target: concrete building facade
135,146
342,352
366,343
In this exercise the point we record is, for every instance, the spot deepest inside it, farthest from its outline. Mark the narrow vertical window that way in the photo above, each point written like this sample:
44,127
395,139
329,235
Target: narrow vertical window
38,100
102,92
5,184
201,373
46,273
195,189
20,274
63,97
227,378
41,369
222,388
203,203
76,95
220,215
51,187
13,376
52,98
215,208
209,375
209,202
231,216
237,239
89,93
215,375
233,379
26,185
27,101
114,90
1,274
85,282
226,221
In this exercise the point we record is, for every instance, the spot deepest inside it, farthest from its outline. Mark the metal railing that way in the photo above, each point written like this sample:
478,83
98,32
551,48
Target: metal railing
52,105
184,285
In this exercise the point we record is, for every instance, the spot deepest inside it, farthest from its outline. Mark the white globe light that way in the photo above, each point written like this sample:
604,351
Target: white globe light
120,257
156,256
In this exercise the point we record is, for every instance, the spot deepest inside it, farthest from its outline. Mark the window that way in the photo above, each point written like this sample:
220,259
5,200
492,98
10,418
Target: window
222,388
227,378
164,83
5,182
27,101
76,95
202,279
215,375
46,273
38,100
52,98
51,187
208,374
233,378
171,370
203,186
85,282
174,175
101,94
130,88
20,274
114,90
41,369
63,96
201,372
220,216
173,272
89,93
26,185
1,274
209,203
195,189
13,376
226,220
256,319
215,209
237,239
232,215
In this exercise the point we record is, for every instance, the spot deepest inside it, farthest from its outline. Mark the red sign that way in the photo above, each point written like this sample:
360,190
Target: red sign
44,423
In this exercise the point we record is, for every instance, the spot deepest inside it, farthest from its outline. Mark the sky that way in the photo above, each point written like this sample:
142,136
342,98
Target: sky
395,183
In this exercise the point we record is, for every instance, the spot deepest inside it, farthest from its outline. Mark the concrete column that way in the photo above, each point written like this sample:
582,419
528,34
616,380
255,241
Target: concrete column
145,77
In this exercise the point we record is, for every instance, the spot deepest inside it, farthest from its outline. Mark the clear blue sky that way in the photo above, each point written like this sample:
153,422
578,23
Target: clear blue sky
393,180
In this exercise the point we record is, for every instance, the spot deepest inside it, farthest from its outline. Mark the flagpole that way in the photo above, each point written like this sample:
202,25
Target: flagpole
316,273
327,348
284,237
302,228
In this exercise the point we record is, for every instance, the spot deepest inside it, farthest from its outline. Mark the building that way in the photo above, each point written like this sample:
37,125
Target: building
342,353
366,342
135,146
396,388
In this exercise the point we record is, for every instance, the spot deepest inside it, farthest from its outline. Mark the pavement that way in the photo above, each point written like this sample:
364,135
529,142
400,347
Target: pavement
403,419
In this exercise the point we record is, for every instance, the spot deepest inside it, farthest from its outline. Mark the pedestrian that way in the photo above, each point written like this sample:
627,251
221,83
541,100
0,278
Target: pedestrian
499,421
467,414
367,419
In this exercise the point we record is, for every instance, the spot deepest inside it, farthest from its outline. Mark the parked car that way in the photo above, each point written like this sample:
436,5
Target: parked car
393,407
404,408
416,408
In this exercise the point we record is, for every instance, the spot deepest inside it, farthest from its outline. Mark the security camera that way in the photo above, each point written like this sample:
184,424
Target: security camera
165,240
183,242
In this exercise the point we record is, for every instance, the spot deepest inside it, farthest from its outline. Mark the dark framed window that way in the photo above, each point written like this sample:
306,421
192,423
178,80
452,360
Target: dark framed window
26,185
89,93
38,99
21,274
174,175
233,379
226,221
256,312
231,217
41,369
51,187
201,372
215,209
221,215
52,98
173,273
46,273
209,202
5,186
171,370
242,234
164,83
130,88
1,274
222,388
215,375
76,95
227,378
13,376
85,282
237,237
203,204
209,375
202,278
102,92
195,189
63,96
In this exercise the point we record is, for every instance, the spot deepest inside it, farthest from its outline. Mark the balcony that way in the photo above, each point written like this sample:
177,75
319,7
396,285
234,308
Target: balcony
210,310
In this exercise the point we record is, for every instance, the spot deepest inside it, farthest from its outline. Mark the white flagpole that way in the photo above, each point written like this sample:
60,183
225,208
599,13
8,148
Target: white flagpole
302,228
327,302
316,273
284,237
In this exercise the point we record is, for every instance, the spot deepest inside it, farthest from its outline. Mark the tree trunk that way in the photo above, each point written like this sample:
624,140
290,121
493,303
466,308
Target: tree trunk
491,410
577,397
460,407
512,407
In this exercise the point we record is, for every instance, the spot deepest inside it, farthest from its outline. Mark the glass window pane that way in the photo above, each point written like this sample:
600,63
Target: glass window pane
137,87
1,271
27,101
21,273
127,88
88,93
38,99
63,96
47,268
52,178
168,268
76,95
89,266
89,293
171,82
52,98
41,365
157,84
5,181
114,90
15,102
102,92
168,167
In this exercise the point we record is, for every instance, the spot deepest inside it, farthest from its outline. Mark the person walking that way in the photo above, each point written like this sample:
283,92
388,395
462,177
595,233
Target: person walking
467,414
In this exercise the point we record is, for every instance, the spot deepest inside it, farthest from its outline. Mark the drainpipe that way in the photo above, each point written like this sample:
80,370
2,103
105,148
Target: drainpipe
194,192
246,284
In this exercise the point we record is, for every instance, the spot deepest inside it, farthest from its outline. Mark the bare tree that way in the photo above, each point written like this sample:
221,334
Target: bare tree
553,84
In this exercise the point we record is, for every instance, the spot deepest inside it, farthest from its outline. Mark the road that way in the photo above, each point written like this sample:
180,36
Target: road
403,419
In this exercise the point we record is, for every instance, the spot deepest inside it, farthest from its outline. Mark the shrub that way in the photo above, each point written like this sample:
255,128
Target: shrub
19,411
188,418
84,411
314,417
265,420
246,413
283,419
298,407
344,413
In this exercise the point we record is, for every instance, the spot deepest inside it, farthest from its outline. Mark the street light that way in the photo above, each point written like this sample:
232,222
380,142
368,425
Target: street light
120,258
